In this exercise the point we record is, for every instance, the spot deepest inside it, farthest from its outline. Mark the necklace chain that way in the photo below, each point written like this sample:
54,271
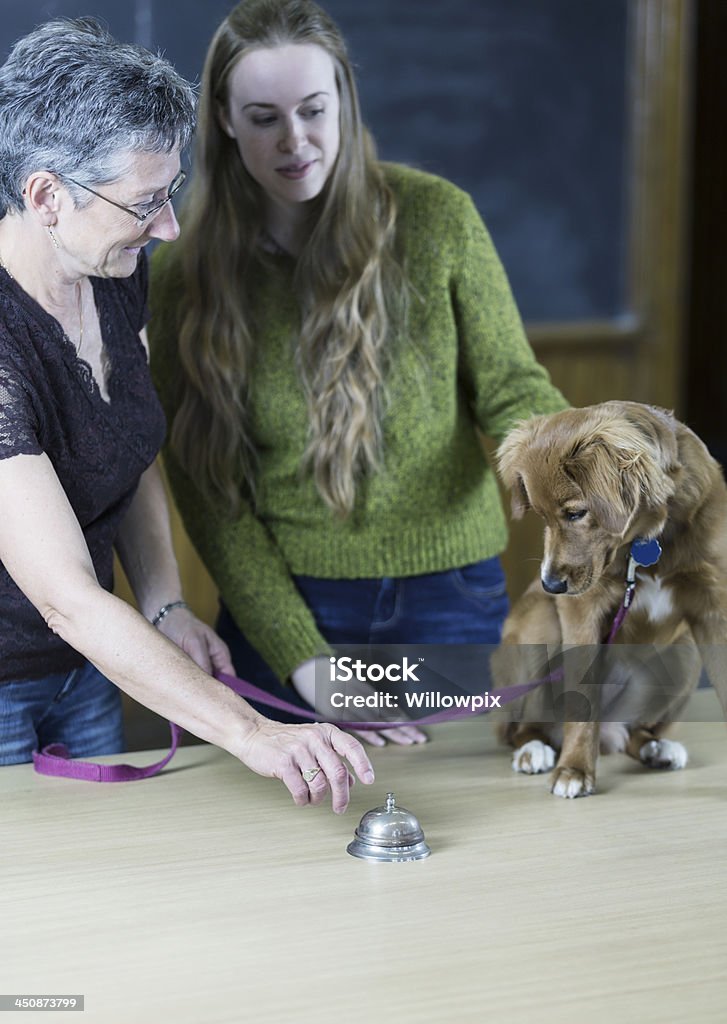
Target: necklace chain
79,300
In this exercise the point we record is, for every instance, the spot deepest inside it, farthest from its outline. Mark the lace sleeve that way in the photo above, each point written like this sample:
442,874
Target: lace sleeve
18,422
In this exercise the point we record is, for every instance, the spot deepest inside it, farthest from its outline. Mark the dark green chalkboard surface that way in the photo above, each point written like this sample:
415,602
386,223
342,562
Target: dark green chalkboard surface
521,102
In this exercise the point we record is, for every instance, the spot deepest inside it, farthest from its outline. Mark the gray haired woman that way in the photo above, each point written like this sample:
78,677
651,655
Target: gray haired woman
91,133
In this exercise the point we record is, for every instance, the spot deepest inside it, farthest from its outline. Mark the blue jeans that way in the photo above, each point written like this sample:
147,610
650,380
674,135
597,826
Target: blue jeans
466,605
80,709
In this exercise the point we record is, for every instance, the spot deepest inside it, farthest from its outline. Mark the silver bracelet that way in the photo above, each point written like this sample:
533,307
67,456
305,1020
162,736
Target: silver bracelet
165,610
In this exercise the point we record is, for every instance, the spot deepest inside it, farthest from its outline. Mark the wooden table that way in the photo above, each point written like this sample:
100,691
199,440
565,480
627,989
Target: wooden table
205,896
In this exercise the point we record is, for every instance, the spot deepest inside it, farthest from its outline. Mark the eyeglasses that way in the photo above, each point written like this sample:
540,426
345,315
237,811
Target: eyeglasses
144,210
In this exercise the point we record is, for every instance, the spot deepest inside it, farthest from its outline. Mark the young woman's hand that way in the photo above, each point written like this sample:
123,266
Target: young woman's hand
303,679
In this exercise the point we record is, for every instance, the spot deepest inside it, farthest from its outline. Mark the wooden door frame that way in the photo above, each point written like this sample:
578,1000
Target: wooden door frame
659,92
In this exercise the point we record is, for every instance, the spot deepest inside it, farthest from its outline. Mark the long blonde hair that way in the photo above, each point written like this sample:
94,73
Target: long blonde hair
350,284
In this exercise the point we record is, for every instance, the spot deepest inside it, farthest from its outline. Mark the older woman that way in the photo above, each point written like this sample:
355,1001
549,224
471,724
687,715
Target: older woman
91,133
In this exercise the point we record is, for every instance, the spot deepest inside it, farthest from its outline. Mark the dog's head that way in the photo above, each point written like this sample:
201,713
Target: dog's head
598,477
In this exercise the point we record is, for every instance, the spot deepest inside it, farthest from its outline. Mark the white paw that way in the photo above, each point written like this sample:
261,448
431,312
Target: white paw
570,783
533,757
663,754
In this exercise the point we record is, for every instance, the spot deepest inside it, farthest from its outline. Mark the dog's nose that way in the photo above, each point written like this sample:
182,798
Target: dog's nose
554,585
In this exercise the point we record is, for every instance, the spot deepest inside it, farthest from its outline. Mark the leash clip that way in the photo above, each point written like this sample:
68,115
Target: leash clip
644,553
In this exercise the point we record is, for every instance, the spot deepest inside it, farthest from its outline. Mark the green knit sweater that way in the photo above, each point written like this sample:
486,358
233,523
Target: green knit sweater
435,504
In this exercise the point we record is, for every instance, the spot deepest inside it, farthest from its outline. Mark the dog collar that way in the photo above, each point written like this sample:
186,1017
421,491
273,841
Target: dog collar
644,553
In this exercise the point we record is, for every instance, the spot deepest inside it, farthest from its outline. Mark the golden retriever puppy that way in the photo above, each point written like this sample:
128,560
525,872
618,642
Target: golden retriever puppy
635,512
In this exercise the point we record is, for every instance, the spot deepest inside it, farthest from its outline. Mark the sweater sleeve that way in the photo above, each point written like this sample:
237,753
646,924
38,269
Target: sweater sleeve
502,378
240,554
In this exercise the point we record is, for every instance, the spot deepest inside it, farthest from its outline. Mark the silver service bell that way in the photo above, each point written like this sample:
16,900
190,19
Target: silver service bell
389,833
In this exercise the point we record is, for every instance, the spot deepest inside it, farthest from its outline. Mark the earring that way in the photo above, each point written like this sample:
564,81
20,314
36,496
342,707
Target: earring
53,237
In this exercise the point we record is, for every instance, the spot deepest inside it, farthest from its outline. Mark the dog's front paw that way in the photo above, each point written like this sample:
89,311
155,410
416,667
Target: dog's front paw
663,754
570,783
533,757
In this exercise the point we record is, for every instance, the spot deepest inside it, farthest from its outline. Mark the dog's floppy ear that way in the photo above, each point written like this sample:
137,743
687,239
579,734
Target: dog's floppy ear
509,460
658,428
620,474
519,500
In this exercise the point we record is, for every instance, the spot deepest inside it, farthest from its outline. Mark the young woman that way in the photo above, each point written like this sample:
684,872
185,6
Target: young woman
329,336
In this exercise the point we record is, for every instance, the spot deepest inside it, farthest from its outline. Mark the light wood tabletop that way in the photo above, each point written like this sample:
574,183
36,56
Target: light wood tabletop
204,896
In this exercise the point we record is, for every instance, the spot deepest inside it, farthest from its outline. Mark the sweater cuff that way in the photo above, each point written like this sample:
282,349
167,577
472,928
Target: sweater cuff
291,645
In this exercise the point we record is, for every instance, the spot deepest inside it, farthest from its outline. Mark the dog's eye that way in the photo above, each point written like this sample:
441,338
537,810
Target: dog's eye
575,514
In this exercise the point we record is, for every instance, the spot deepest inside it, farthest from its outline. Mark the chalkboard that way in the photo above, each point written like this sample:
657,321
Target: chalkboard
523,103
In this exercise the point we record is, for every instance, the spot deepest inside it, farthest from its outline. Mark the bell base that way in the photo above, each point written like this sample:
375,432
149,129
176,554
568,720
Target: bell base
365,852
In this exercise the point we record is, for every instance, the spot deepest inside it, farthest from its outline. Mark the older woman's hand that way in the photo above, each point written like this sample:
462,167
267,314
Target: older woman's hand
294,753
197,640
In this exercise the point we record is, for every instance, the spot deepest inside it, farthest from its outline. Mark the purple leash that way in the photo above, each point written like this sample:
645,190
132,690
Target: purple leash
56,760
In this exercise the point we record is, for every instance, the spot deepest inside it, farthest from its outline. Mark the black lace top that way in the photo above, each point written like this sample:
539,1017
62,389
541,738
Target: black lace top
50,402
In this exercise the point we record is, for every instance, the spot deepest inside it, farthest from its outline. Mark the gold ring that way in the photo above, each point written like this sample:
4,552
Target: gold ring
310,773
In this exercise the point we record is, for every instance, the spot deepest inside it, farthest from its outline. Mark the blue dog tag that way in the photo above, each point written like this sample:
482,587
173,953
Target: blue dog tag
646,552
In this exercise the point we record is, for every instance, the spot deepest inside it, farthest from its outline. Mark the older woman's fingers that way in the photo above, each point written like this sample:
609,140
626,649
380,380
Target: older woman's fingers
287,752
318,785
349,747
337,777
316,780
327,745
291,776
